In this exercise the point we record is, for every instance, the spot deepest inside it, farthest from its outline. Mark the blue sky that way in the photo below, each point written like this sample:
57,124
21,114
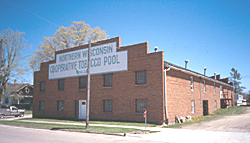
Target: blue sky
213,34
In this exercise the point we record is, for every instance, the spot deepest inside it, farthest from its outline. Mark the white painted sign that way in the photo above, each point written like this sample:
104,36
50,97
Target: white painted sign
103,59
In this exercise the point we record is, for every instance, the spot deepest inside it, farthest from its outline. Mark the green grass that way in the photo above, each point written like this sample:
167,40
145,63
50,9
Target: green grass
96,129
94,122
218,113
28,112
230,111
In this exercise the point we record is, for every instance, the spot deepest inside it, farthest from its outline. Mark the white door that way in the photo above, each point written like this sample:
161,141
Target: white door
82,109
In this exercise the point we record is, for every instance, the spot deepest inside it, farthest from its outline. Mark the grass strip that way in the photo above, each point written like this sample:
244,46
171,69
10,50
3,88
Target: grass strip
216,114
28,111
95,129
93,122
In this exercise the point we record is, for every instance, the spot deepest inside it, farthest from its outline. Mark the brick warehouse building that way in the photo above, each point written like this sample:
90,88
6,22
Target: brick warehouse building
164,89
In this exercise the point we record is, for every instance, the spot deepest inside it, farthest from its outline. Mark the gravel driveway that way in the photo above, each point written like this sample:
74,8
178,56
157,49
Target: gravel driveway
235,123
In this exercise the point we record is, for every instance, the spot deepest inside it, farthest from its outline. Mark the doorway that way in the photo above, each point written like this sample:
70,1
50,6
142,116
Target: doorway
205,107
82,109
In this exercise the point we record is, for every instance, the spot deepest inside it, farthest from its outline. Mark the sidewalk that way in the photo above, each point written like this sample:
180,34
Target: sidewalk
102,125
175,135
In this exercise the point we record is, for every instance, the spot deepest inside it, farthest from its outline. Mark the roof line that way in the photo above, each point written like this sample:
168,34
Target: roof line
167,64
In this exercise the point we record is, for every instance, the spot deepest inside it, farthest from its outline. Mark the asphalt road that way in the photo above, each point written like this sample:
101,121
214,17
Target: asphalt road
13,134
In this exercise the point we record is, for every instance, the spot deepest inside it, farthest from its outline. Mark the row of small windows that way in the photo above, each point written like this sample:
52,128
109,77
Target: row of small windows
141,105
192,84
192,106
204,86
60,105
140,79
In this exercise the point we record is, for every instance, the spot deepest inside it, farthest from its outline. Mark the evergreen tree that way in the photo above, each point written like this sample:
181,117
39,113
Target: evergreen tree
235,77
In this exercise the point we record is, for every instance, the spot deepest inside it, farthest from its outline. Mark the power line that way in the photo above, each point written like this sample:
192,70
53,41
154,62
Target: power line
33,13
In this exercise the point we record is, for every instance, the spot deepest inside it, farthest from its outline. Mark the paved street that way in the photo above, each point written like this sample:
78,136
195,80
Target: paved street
212,131
28,135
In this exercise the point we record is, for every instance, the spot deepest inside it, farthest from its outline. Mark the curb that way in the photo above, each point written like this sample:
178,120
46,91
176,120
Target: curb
114,134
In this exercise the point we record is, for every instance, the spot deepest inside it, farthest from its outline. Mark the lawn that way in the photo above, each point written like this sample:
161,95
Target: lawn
216,114
28,112
95,129
94,122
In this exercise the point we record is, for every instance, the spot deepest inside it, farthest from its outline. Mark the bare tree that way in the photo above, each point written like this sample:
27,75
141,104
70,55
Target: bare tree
11,64
65,37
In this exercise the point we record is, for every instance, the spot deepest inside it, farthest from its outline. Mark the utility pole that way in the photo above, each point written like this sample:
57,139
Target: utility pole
88,88
1,51
1,64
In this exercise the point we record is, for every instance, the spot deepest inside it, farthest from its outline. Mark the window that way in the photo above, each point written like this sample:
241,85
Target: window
192,84
215,105
192,106
204,86
41,106
14,109
61,84
221,92
6,100
227,90
82,82
214,88
107,80
42,86
140,77
141,105
60,105
107,105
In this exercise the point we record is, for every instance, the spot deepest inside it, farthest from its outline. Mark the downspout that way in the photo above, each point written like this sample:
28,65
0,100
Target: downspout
200,92
165,93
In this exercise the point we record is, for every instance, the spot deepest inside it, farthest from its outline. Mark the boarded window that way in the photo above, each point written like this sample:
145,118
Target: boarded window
107,80
140,77
42,86
82,82
107,105
141,105
61,84
60,105
192,106
41,105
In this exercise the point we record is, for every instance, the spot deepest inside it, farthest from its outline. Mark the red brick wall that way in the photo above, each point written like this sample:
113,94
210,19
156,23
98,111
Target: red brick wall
123,92
179,95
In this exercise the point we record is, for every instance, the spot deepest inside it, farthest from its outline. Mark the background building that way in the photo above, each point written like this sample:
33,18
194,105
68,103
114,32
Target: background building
20,95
